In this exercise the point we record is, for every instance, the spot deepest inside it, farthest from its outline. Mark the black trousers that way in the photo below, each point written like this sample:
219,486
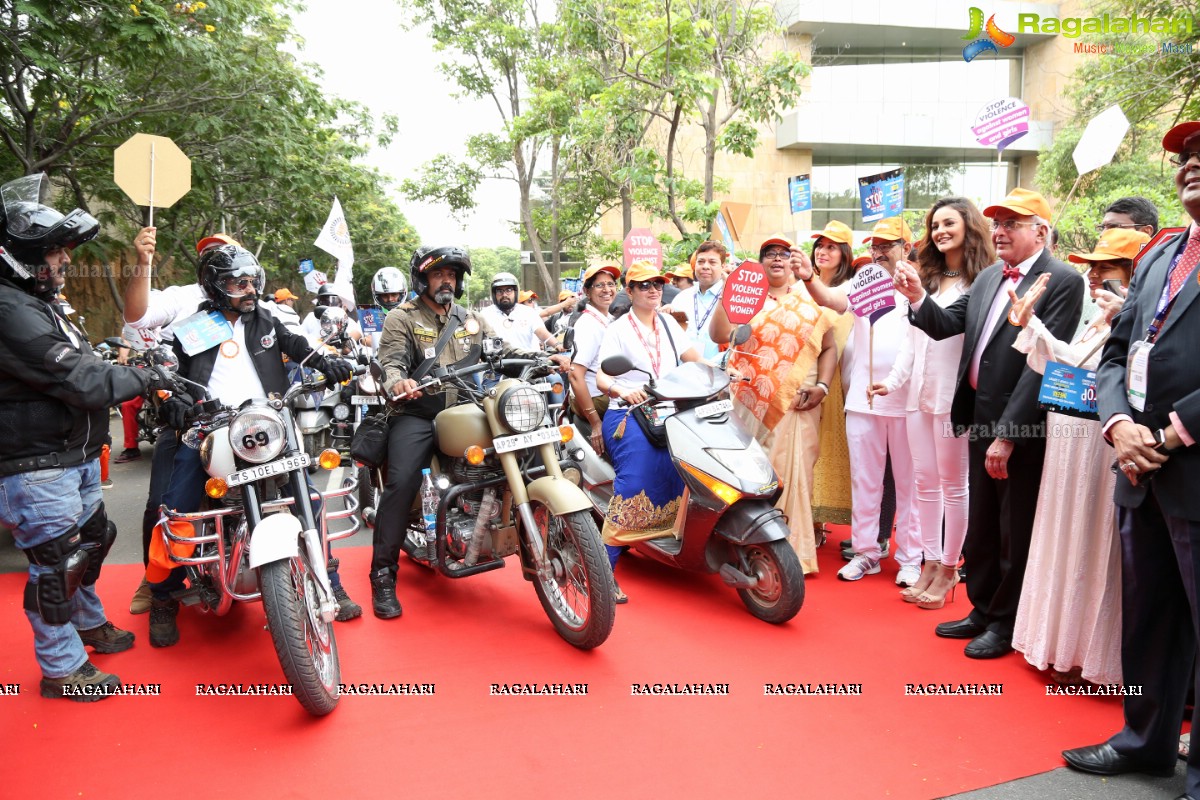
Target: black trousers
1160,580
999,528
410,449
161,465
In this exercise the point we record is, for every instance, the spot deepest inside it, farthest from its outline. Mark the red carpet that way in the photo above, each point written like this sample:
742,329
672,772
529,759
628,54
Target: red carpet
465,635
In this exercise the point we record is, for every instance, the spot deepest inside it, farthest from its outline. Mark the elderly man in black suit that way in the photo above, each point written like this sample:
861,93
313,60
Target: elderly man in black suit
1149,402
995,405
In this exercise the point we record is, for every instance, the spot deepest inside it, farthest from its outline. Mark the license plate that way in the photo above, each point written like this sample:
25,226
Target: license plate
280,467
365,400
714,409
541,436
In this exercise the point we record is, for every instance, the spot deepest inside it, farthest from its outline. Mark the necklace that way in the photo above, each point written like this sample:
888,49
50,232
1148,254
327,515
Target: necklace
951,273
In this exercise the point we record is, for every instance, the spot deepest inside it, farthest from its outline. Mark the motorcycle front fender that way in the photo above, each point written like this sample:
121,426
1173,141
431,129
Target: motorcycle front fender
559,495
752,522
275,538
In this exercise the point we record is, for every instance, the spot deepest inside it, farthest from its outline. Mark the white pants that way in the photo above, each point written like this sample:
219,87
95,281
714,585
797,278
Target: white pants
869,437
940,471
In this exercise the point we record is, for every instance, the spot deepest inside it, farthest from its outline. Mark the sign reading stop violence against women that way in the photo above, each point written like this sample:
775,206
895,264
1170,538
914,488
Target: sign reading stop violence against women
640,245
745,292
872,293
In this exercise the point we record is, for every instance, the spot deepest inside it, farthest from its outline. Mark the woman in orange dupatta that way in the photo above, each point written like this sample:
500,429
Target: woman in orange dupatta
788,361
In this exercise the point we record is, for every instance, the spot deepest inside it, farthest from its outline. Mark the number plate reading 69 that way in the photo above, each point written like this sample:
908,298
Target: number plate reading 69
505,444
280,467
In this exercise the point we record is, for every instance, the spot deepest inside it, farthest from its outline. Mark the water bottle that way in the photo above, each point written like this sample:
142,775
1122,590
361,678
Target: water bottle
429,509
487,509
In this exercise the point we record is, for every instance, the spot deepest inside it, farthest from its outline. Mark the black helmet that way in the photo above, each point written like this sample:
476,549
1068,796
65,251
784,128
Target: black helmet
29,230
326,296
427,258
219,264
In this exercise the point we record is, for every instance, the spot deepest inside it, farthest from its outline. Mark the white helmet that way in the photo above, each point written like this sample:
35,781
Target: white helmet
389,280
504,279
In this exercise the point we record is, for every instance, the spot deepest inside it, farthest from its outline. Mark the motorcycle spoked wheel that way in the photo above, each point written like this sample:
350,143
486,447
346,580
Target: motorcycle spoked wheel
368,495
304,643
578,595
780,590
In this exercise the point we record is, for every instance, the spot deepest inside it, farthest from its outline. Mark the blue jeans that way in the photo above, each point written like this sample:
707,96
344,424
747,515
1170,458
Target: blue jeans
40,506
185,494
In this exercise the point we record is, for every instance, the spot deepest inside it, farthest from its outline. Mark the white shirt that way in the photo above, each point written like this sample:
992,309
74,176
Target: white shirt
649,350
891,331
930,367
993,316
311,327
698,307
234,380
518,327
288,316
589,335
167,306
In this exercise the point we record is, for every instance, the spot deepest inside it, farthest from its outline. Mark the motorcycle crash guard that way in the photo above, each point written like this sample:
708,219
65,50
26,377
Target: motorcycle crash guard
559,495
752,522
275,538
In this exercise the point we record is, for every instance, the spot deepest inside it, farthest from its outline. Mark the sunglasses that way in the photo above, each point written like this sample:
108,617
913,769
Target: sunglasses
646,286
241,284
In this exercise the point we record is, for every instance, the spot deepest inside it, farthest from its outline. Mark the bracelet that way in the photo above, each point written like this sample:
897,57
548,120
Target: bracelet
823,385
591,412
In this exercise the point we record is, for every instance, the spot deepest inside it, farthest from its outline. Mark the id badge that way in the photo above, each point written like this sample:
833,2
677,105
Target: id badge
1135,374
202,331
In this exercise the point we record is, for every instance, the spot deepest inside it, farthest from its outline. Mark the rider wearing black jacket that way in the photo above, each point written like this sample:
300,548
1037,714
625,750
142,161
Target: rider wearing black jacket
54,399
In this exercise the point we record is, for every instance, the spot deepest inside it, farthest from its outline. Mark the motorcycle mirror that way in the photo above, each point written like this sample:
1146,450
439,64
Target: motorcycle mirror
569,339
377,371
114,341
740,335
616,365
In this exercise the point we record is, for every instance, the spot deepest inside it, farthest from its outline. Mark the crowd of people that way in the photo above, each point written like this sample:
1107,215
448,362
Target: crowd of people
1077,535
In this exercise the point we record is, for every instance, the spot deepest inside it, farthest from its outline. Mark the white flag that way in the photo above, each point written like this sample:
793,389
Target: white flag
335,240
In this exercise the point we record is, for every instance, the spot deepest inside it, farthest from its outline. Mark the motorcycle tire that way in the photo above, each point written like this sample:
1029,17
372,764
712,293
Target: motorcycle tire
368,495
779,594
304,643
579,595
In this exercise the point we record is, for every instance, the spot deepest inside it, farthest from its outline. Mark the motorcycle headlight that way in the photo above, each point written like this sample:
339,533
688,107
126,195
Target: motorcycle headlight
751,464
366,384
341,412
522,409
256,434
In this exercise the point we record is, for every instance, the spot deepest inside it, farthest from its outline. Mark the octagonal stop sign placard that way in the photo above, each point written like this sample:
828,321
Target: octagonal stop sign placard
152,170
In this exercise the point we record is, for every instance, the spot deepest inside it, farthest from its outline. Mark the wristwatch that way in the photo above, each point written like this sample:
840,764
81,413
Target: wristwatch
1160,439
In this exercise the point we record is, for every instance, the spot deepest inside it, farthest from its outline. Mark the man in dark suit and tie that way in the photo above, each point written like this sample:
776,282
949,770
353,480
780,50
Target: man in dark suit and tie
1149,402
995,405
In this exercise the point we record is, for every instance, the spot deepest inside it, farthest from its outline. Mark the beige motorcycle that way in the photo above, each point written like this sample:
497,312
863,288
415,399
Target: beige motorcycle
502,492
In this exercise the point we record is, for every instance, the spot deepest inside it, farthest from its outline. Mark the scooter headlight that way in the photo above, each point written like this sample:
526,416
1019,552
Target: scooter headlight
341,412
751,465
256,434
522,409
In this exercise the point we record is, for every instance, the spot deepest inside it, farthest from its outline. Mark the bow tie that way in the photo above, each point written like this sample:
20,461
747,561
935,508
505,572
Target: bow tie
1012,273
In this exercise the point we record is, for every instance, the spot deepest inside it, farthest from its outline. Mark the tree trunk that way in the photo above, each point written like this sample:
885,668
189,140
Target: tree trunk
675,218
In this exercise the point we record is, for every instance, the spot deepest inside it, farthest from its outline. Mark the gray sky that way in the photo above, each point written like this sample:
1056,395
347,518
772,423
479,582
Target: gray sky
367,56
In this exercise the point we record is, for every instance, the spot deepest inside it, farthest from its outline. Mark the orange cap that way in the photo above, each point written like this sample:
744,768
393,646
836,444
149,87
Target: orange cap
836,231
565,294
527,295
284,294
1114,243
1022,201
215,240
892,229
682,271
643,271
775,238
595,269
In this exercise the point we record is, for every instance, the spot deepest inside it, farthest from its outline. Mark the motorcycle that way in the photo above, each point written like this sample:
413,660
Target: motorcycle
502,491
259,538
317,410
728,523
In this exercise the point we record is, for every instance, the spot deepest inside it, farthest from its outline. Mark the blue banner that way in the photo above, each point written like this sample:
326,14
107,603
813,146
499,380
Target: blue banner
370,319
306,266
882,195
1068,390
800,193
726,236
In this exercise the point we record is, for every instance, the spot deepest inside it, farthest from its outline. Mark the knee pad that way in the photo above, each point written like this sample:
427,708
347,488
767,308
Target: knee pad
68,560
98,535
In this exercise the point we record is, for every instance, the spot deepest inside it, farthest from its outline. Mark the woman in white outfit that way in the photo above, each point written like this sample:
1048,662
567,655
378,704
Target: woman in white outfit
956,247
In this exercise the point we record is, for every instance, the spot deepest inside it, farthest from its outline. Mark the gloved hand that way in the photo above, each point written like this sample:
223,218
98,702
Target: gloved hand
177,412
159,378
336,370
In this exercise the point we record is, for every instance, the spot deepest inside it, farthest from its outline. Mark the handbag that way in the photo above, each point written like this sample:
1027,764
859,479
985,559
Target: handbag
652,425
369,445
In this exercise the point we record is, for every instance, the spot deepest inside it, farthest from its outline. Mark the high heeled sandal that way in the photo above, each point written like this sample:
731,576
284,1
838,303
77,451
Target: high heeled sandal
932,602
929,574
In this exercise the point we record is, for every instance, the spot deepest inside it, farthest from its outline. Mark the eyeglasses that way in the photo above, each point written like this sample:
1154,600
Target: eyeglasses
1010,225
1181,159
1104,226
882,248
609,285
776,254
646,286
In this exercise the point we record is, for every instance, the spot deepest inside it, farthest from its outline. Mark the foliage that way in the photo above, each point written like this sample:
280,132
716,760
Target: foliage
485,263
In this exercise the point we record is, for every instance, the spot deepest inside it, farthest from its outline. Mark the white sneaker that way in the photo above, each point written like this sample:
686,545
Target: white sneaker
859,566
908,575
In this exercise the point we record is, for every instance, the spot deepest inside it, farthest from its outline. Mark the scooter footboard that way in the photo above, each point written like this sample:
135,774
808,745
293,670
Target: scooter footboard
752,522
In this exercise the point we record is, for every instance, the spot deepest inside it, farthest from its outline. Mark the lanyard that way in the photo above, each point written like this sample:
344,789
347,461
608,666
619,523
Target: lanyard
599,318
700,320
655,354
1164,303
